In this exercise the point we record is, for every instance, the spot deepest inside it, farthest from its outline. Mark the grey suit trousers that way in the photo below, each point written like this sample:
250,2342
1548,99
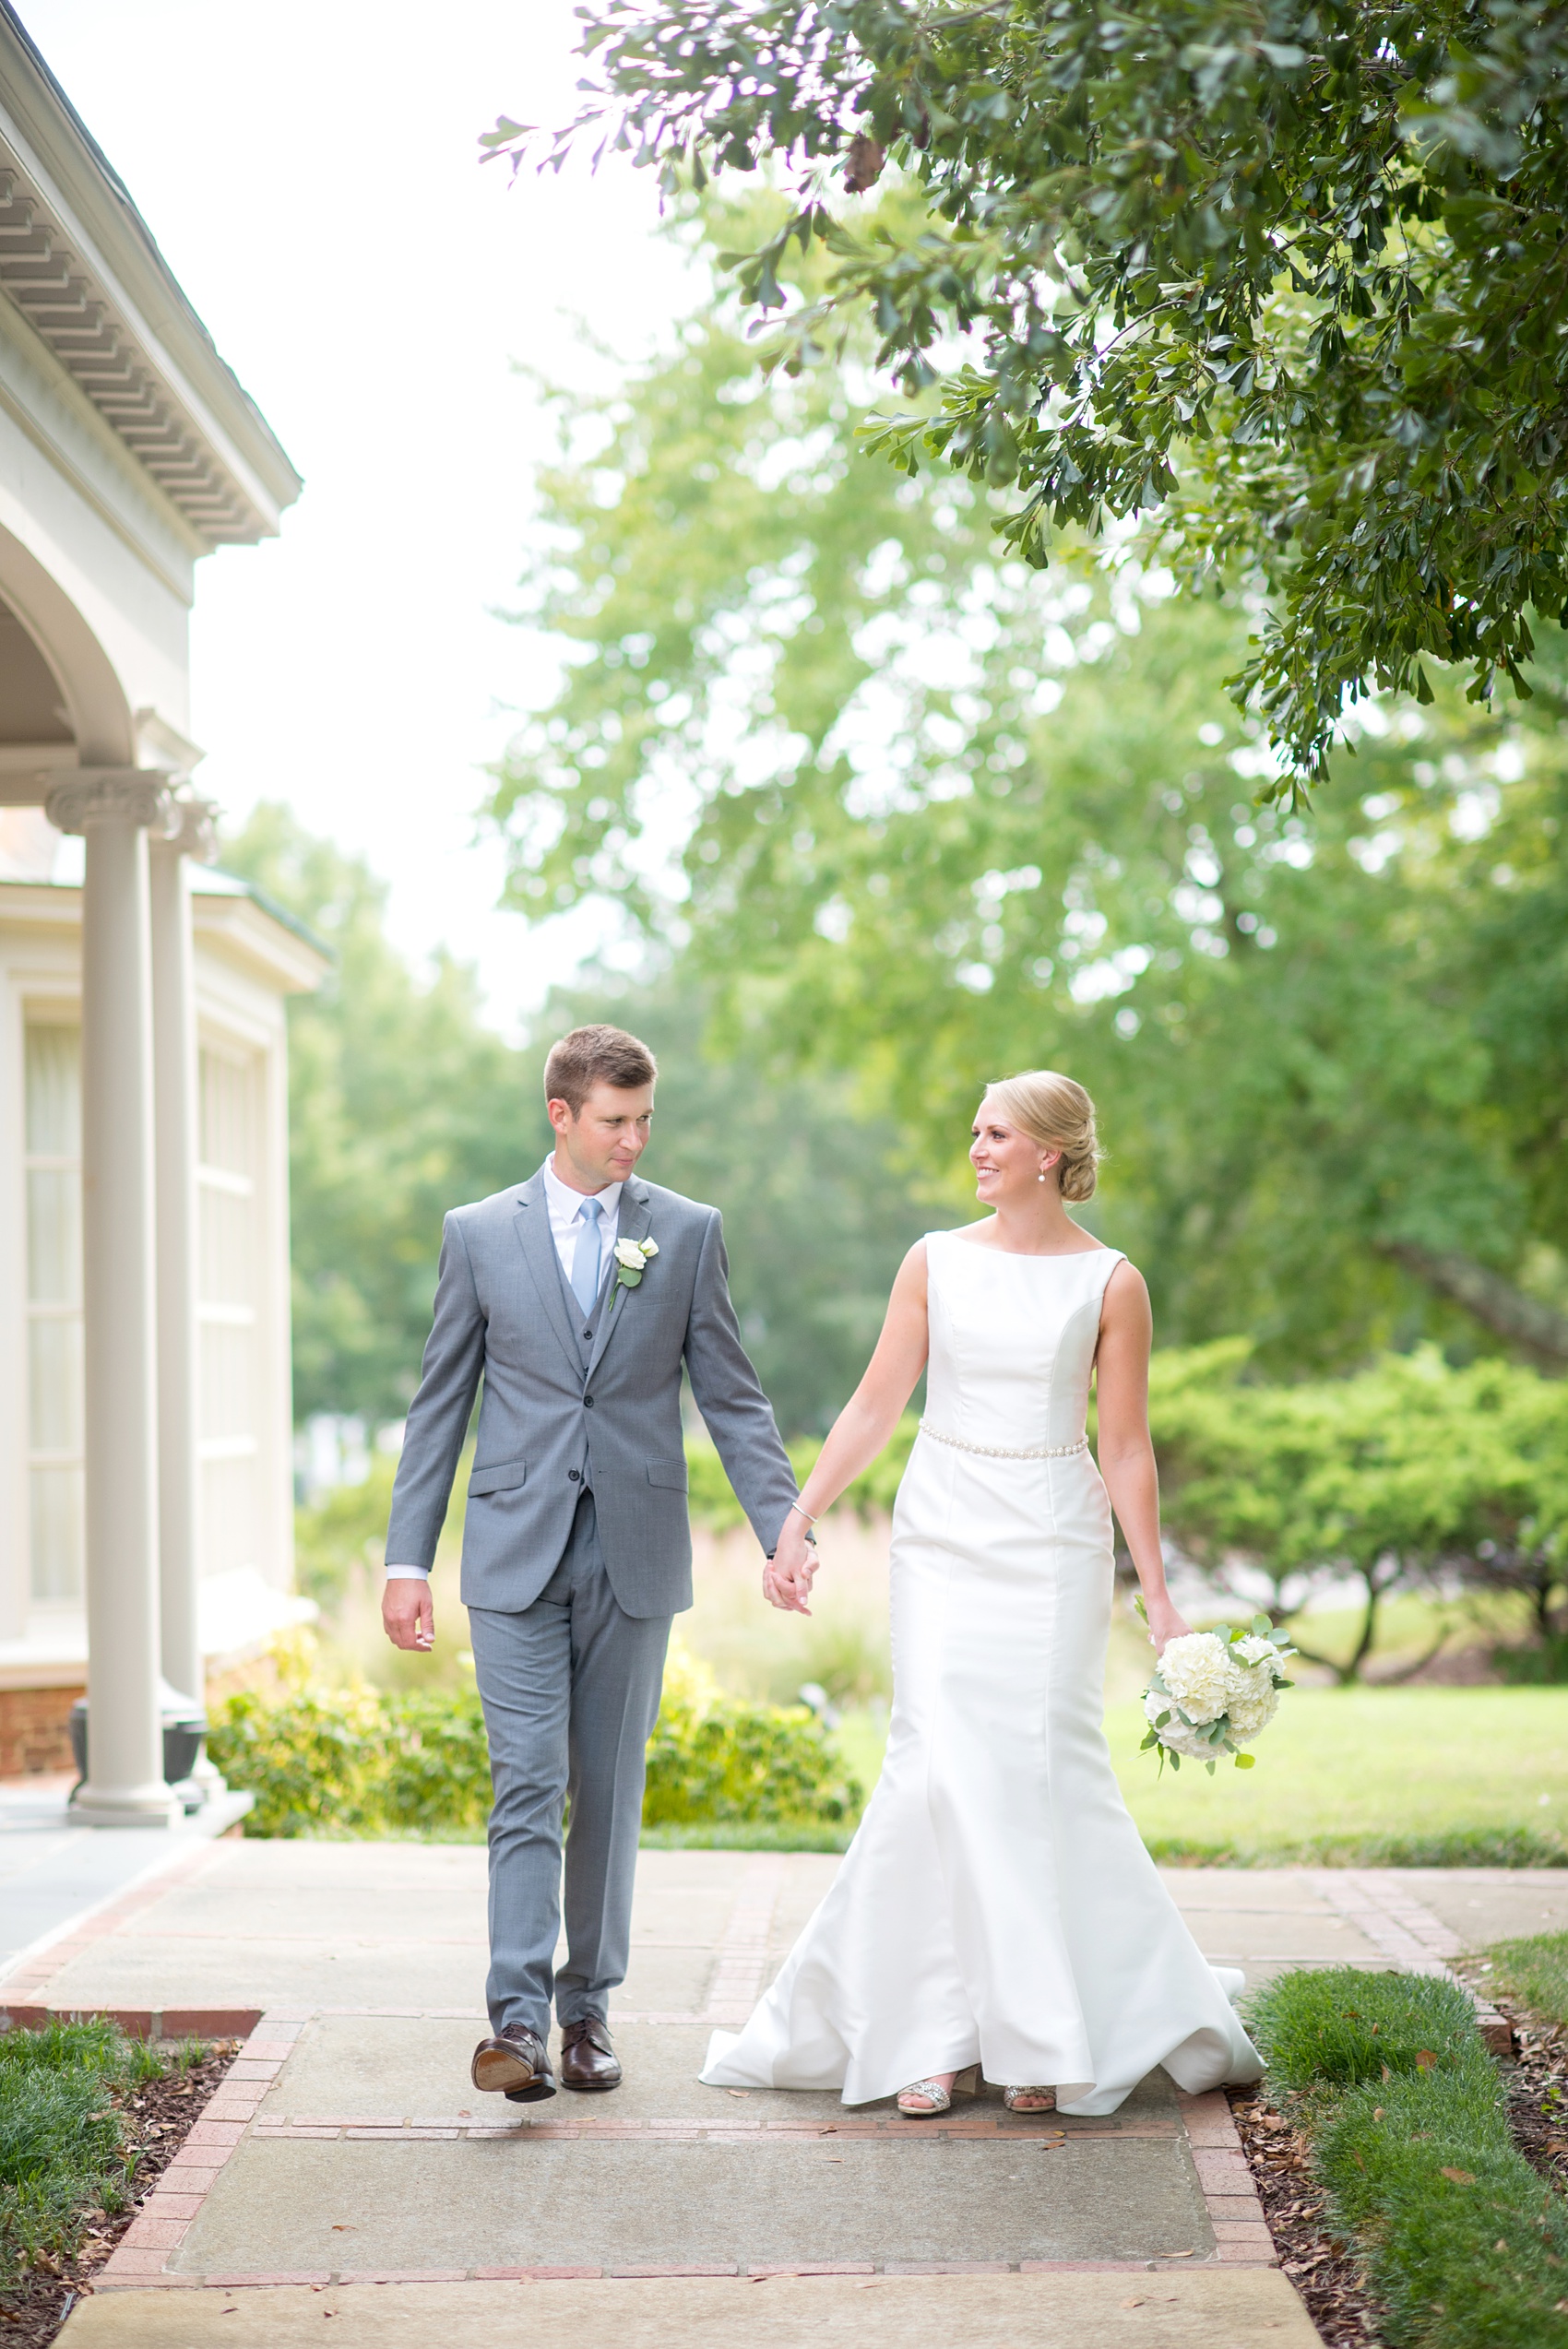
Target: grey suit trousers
570,1688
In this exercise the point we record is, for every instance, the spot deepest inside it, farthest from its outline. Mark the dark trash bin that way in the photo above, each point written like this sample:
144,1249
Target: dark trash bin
184,1735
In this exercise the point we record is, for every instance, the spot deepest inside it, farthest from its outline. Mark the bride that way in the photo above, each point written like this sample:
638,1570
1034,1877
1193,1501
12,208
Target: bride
997,1906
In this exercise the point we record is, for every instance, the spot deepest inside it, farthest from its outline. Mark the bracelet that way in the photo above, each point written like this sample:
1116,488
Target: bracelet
802,1513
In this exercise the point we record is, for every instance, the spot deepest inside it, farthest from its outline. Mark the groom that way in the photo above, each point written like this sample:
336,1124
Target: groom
577,1296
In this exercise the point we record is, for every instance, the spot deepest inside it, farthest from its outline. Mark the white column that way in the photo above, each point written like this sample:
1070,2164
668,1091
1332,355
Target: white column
125,1785
174,1065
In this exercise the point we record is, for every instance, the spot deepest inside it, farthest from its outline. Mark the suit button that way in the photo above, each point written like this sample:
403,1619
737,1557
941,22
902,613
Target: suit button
587,1403
575,1476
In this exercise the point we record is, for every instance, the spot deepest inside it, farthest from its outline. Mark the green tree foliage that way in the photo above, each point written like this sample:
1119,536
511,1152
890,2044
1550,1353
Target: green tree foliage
1391,1476
403,1103
944,818
1288,274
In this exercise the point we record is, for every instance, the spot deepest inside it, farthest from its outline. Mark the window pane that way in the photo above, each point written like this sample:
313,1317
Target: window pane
54,1092
228,1402
228,1090
55,1384
56,1497
227,1223
55,1237
228,1535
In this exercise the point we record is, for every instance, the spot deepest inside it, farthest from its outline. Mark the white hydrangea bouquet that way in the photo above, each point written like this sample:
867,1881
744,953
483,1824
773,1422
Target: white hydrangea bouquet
1212,1693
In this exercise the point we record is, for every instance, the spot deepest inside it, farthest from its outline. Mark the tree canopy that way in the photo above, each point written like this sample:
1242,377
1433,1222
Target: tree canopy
1408,1471
922,816
1285,277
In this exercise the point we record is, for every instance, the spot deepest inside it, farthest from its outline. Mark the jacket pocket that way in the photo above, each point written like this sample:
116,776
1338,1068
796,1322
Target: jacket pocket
669,1473
504,1477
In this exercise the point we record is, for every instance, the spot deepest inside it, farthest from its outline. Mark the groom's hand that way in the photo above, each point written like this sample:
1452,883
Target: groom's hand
407,1612
787,1577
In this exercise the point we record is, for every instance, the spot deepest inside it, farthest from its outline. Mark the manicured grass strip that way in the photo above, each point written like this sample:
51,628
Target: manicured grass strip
62,2140
1465,2246
1342,2026
1445,1847
1534,1971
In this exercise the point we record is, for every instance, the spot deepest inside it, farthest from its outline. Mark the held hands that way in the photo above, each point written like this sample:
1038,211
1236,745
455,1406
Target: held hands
407,1613
788,1575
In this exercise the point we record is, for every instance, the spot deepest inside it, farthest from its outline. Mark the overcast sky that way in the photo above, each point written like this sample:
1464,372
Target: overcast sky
309,169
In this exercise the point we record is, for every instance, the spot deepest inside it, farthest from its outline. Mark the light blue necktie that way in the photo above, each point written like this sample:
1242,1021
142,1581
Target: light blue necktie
585,1263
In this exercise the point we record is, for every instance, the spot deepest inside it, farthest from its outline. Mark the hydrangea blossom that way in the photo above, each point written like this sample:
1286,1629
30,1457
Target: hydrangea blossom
1193,1669
1213,1692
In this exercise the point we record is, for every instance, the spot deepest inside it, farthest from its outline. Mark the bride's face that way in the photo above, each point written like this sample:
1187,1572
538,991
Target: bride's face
1007,1164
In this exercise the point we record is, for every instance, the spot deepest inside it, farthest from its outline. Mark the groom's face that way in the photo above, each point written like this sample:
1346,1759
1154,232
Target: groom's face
604,1141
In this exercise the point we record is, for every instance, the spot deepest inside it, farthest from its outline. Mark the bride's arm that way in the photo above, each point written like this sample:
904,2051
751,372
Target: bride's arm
1126,1451
858,1432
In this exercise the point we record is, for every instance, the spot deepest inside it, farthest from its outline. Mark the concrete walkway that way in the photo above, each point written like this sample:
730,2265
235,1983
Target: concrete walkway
53,1871
346,2171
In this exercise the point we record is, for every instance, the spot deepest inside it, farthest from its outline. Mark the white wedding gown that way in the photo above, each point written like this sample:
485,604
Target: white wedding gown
997,1902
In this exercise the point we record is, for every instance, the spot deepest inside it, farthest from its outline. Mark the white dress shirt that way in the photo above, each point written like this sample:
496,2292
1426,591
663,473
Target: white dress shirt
567,1220
566,1217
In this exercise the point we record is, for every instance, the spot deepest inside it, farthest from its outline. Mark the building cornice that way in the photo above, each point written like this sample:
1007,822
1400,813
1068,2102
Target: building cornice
259,940
81,265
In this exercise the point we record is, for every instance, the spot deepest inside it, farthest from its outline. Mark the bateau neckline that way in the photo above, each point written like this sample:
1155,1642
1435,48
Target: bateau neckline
1032,1256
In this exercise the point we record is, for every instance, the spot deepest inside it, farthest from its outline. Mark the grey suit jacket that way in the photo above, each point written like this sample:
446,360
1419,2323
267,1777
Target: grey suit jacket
501,1312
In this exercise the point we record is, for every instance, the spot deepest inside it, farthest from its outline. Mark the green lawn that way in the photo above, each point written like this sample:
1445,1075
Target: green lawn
1417,1776
1534,1971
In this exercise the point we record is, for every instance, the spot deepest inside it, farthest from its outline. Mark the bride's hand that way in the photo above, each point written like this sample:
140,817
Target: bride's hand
1165,1623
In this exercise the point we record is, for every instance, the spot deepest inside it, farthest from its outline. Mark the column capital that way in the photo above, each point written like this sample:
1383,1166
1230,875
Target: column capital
86,795
191,828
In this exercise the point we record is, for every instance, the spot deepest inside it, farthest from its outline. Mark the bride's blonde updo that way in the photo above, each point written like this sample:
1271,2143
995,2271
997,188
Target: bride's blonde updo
1058,1115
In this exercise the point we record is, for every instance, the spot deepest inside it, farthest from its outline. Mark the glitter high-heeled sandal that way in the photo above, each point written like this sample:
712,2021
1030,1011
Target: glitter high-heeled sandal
1010,2098
940,2098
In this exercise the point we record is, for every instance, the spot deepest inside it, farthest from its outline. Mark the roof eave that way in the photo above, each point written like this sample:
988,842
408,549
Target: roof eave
113,251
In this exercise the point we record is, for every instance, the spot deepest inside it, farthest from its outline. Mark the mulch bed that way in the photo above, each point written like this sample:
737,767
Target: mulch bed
1537,2084
161,2113
1322,2267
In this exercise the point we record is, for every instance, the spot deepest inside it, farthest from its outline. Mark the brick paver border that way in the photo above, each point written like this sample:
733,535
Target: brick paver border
1407,1932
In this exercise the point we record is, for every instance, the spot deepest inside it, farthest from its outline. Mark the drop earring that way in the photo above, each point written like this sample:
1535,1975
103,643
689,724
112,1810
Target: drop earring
1040,1177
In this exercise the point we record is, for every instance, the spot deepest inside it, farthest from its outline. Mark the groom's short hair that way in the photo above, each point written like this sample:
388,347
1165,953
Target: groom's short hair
591,1056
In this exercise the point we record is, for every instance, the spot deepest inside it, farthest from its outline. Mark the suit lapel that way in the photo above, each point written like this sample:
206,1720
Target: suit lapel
634,1218
538,1243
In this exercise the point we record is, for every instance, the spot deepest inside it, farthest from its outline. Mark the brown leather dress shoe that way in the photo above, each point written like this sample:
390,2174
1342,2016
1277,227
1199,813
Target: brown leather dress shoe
587,2055
514,2064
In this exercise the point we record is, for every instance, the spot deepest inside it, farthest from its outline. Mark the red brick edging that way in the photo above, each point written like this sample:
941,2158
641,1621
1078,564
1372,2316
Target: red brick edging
1240,2231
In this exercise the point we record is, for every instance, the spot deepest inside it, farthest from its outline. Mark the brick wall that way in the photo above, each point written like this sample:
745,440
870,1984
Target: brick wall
34,1730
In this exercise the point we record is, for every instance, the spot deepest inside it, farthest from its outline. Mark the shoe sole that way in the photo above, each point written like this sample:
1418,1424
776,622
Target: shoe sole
493,2073
592,2087
543,2086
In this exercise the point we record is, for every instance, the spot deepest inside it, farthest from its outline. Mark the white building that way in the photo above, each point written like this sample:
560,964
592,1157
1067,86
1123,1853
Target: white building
144,1328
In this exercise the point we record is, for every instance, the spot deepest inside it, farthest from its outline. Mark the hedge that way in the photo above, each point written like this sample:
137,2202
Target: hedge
359,1760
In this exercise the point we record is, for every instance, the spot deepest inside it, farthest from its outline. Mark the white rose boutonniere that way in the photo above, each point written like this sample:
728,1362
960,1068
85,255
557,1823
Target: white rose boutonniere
632,1259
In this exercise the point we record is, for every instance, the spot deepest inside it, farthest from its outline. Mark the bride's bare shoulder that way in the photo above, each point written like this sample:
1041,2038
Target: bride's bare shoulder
1126,1295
